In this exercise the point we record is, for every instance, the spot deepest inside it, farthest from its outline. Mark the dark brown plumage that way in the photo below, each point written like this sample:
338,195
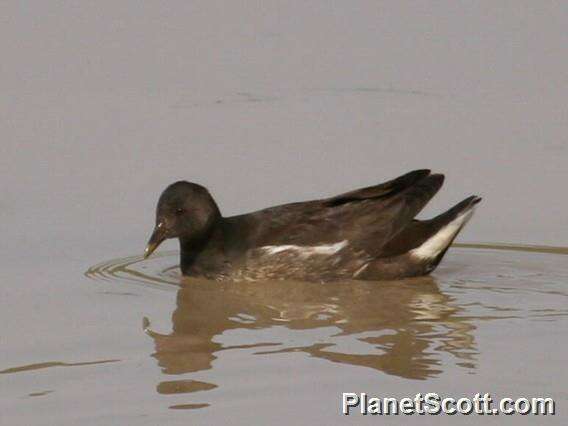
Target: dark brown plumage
369,233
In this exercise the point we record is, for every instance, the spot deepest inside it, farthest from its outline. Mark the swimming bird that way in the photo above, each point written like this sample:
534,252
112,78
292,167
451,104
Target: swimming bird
366,234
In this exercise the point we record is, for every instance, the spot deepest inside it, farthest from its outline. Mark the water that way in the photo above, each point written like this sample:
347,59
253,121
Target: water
487,321
104,104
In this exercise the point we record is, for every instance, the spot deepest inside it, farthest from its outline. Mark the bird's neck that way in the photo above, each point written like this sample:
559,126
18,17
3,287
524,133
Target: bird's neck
195,249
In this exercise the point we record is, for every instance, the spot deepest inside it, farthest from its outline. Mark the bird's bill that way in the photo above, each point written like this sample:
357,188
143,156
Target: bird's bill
157,237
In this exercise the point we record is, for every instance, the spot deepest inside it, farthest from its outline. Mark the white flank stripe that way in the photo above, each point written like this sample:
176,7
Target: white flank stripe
327,249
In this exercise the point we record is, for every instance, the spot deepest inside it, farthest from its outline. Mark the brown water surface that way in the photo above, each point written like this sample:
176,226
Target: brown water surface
489,320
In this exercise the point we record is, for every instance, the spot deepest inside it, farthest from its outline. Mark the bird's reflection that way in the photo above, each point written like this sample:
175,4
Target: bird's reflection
402,328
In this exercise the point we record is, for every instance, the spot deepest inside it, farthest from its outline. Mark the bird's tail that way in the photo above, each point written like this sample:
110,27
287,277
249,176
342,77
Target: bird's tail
442,230
419,248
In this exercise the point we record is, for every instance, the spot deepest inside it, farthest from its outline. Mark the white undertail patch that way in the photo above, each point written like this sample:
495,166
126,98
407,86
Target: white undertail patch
306,251
434,245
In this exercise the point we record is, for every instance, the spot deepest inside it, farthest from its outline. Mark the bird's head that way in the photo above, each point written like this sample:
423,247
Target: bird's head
185,210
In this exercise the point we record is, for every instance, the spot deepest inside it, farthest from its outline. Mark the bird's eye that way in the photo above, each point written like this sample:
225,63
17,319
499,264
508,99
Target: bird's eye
180,211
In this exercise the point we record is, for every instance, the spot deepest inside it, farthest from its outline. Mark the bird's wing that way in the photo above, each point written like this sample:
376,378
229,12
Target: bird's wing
382,190
367,218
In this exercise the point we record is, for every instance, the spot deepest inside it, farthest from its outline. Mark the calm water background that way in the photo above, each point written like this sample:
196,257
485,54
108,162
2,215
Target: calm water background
105,103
